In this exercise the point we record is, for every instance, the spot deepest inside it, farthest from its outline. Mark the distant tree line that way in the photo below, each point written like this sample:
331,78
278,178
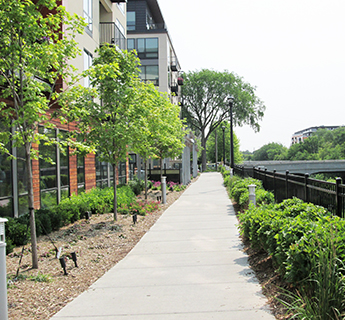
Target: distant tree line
321,145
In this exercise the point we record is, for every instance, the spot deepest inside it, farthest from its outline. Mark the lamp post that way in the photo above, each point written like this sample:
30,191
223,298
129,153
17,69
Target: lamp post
223,127
231,101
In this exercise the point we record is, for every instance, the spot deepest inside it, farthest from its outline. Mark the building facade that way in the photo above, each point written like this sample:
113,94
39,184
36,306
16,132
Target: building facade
126,24
148,34
70,174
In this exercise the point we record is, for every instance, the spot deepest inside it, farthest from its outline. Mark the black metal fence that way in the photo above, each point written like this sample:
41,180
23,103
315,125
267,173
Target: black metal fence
330,195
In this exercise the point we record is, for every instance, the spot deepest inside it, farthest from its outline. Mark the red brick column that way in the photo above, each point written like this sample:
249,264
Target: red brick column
90,172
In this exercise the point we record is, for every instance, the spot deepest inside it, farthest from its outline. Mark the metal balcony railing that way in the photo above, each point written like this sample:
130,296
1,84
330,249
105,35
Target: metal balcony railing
110,33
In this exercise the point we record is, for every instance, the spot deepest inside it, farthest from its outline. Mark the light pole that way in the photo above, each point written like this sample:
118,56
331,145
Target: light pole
231,101
223,127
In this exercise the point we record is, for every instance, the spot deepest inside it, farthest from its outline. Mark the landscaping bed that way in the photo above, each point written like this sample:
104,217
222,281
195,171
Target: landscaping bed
99,244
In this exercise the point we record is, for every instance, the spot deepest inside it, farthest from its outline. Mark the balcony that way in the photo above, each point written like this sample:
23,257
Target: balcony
110,33
174,89
174,64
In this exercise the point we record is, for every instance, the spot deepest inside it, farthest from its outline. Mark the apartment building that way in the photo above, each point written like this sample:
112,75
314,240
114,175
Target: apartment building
147,33
70,174
300,136
136,24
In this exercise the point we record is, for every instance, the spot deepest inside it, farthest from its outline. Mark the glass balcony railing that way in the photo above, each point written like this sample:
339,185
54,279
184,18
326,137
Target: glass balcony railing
110,33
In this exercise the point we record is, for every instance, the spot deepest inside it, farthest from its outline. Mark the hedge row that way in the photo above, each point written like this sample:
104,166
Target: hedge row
307,246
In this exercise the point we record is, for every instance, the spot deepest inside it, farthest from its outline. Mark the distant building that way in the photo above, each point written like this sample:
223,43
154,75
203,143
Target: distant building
301,135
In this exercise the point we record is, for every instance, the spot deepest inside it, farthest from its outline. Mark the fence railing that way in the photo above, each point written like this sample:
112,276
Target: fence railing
330,195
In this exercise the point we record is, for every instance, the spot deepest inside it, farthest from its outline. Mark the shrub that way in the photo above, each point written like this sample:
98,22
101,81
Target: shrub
137,185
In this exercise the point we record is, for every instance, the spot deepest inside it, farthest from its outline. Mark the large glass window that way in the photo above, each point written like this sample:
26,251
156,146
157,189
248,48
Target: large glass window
87,56
64,168
81,173
101,173
6,196
147,48
87,8
130,20
130,44
48,170
150,74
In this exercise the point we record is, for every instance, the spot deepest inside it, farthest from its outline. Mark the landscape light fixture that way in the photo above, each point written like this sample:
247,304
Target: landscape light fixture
231,100
74,258
63,265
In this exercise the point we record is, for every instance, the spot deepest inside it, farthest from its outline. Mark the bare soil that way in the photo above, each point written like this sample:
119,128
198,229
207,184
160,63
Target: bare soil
99,243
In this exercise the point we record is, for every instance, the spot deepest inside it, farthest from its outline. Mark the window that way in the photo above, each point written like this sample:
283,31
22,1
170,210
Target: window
150,74
130,44
87,64
131,20
81,173
88,14
147,48
54,177
6,197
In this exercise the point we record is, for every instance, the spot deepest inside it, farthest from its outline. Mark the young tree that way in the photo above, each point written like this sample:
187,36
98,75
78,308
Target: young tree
109,121
34,54
168,134
205,103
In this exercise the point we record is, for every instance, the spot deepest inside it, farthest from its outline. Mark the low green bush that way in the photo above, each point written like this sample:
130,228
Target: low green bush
137,185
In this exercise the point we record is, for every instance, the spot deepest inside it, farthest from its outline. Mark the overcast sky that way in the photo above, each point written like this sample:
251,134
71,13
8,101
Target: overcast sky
292,51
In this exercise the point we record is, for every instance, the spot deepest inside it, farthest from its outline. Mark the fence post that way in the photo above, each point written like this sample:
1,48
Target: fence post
306,193
287,184
338,197
274,184
3,277
265,181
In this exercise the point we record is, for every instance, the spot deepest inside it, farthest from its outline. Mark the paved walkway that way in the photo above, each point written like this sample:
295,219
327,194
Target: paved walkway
189,266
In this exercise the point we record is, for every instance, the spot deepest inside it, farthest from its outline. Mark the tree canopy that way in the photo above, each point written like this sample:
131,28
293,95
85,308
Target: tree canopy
205,104
321,145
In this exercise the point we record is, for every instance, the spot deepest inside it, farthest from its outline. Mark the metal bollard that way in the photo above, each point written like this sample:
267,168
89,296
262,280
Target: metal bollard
164,190
3,277
252,198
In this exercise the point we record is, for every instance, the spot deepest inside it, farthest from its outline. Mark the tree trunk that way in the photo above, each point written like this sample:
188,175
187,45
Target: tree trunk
31,207
145,170
203,152
115,194
161,165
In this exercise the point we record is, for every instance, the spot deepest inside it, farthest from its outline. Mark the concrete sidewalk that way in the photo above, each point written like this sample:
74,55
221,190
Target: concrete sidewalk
189,266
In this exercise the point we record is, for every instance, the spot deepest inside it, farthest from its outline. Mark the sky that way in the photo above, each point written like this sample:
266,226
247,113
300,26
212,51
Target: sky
292,51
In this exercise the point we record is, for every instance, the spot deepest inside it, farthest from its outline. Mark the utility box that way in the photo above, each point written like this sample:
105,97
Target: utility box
2,229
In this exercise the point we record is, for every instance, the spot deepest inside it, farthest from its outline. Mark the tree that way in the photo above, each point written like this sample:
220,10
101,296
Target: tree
205,103
34,54
270,151
161,131
110,122
168,135
211,145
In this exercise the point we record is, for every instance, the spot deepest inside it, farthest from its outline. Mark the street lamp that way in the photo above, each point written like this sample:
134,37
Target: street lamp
223,127
231,102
